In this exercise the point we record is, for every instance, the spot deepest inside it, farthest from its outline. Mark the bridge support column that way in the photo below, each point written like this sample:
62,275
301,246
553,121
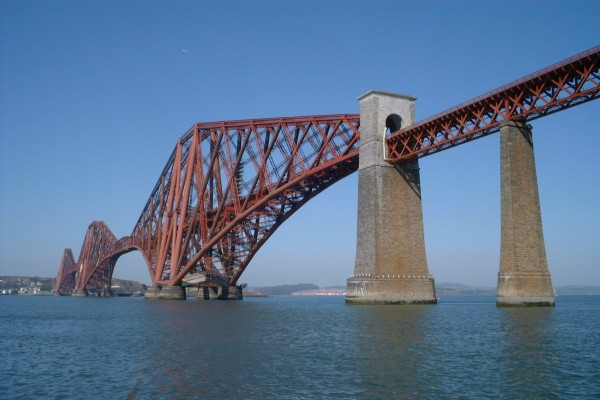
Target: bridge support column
523,279
207,293
231,293
165,292
391,266
79,293
172,293
220,293
152,292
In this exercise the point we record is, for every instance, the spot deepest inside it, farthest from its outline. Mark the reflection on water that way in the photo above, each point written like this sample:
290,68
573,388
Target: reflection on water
389,350
296,348
529,358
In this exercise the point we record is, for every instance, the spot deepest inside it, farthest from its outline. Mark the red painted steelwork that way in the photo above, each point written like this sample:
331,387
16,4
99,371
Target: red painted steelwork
67,274
98,255
568,83
225,189
229,185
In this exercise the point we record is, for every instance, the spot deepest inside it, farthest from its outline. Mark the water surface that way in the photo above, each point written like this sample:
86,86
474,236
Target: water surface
296,348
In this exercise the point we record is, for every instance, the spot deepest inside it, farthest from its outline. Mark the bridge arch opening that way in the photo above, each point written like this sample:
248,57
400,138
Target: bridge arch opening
320,228
393,123
131,266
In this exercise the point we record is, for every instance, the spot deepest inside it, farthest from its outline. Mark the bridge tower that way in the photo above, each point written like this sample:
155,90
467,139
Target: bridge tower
391,266
523,278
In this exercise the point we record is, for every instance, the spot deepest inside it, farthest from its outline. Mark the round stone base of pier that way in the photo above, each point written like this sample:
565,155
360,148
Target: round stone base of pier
172,293
526,302
79,293
231,293
207,293
394,290
533,290
220,293
152,292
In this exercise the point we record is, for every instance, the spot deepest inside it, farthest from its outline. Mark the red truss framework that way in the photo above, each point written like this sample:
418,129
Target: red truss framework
229,185
67,273
565,84
225,189
98,256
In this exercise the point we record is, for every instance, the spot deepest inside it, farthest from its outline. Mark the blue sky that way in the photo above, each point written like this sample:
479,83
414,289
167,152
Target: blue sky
94,95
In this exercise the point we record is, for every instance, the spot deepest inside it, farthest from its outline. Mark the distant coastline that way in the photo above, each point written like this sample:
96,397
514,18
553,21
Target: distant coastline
442,289
39,286
27,285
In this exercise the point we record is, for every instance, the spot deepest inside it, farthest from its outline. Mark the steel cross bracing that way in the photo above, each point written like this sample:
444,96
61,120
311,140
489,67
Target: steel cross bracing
565,84
97,258
229,185
67,273
223,192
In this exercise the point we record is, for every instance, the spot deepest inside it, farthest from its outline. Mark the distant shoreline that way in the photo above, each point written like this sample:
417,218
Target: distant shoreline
38,286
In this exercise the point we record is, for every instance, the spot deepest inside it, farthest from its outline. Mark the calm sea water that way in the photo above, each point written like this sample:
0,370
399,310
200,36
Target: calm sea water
296,348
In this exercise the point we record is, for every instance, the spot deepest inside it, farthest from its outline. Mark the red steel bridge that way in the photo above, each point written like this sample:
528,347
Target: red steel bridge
227,186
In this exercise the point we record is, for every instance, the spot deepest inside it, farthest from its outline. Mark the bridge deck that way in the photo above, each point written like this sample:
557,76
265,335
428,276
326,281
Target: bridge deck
562,85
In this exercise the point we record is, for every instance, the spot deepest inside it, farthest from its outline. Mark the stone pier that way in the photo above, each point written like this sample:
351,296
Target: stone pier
523,279
152,292
172,293
203,293
220,293
165,292
391,266
79,293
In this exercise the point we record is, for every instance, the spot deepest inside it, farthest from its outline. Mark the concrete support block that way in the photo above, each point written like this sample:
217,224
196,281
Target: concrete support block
523,278
207,293
391,266
79,293
152,292
392,290
220,293
172,293
231,293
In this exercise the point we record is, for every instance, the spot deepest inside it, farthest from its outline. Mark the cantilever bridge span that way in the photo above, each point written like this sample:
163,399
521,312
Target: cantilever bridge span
227,186
225,189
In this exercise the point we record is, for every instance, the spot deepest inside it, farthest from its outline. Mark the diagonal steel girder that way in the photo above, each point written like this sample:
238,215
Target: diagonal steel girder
97,258
565,84
229,185
67,272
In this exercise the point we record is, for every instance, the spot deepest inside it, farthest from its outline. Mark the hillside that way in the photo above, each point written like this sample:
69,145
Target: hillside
285,290
578,290
26,284
35,284
457,289
442,289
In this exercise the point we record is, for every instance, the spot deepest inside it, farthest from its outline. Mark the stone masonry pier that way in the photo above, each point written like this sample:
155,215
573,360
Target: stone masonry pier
391,267
523,279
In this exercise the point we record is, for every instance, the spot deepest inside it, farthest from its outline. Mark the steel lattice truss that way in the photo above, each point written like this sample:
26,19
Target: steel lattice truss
67,273
229,185
223,192
568,83
98,256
